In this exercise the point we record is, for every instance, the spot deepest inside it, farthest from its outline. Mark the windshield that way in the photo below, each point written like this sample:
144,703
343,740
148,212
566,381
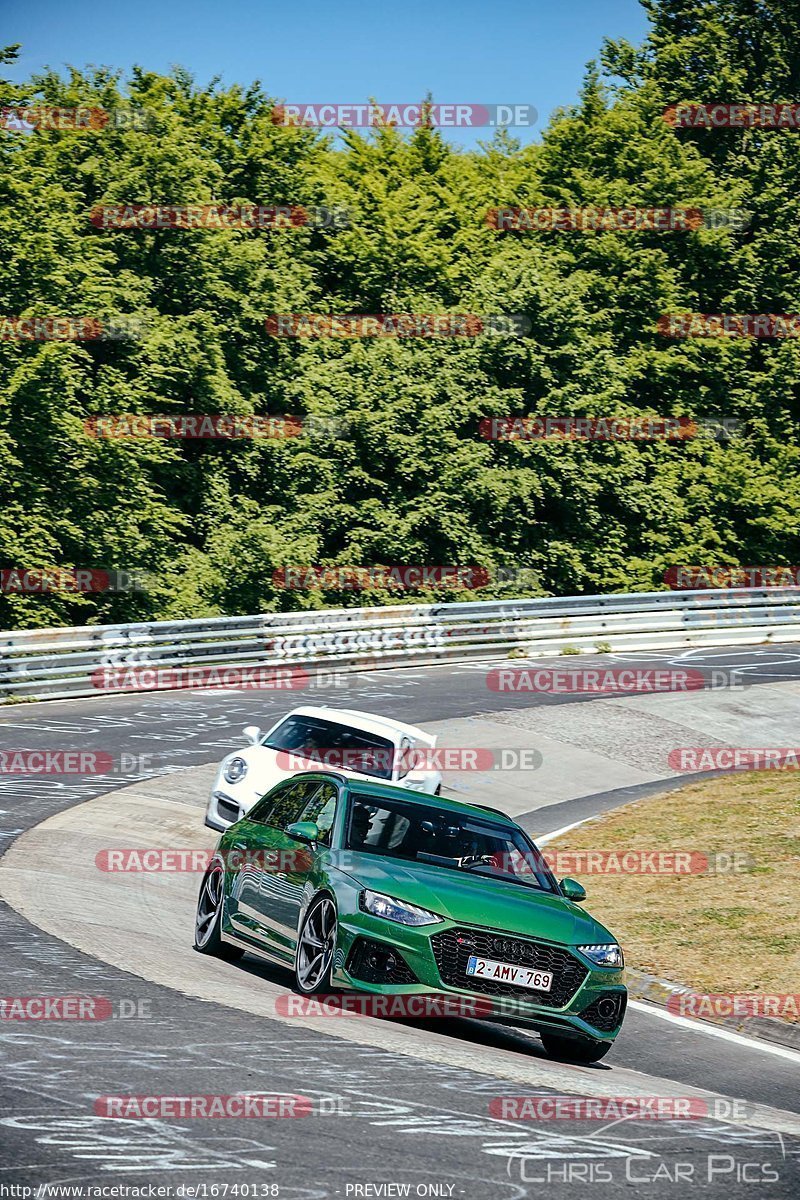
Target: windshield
333,745
452,840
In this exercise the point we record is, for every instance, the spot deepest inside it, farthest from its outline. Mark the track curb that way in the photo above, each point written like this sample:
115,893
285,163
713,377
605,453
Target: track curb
642,986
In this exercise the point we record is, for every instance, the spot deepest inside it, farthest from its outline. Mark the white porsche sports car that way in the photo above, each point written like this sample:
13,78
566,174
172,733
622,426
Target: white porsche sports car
355,743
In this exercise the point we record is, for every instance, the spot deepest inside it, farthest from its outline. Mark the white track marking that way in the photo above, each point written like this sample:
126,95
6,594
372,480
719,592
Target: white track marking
548,837
717,1031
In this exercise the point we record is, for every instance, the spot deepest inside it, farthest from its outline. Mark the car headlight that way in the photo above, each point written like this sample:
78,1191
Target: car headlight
396,910
604,954
235,770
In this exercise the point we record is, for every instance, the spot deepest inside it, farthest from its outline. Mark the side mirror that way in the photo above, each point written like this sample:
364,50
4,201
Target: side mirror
252,733
572,890
303,831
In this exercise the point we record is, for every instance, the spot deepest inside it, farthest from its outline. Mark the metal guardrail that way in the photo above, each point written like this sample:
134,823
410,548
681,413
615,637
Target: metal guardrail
89,660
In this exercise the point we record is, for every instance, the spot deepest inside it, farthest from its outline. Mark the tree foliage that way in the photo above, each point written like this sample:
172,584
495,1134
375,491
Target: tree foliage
402,474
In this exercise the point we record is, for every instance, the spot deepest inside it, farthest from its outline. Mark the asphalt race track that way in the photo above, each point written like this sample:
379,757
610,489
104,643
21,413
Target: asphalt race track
401,1105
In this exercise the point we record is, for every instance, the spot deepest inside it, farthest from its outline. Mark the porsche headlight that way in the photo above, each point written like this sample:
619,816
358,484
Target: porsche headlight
235,770
604,954
396,910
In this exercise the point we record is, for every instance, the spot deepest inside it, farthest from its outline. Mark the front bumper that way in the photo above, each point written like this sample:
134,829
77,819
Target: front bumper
222,811
384,958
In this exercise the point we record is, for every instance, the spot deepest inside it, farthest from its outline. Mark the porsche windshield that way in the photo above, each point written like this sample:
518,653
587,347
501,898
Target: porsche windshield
336,746
437,837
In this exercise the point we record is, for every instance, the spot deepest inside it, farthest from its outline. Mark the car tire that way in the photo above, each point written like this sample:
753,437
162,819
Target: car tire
208,919
574,1050
316,941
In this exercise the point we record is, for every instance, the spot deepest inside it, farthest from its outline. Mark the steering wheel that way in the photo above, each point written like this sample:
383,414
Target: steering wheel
475,860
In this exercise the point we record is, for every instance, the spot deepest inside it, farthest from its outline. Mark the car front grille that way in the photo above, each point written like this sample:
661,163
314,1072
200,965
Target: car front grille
453,947
606,1012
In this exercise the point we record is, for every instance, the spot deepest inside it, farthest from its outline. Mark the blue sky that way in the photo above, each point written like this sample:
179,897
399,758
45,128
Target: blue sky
517,51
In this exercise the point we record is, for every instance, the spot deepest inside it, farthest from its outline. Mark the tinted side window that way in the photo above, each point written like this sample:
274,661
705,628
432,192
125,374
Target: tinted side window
321,808
281,807
262,808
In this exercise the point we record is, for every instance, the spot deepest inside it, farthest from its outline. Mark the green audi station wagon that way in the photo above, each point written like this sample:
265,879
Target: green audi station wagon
370,887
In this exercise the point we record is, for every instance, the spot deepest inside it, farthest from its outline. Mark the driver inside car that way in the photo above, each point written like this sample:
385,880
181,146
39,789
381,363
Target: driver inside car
360,826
